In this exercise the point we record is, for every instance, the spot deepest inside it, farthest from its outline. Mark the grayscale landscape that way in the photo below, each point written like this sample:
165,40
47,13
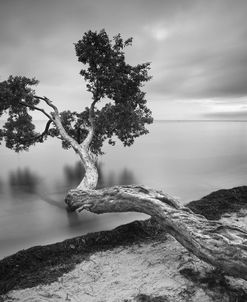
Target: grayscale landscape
123,150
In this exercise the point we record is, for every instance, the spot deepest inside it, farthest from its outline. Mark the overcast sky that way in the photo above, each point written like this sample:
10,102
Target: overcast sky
197,50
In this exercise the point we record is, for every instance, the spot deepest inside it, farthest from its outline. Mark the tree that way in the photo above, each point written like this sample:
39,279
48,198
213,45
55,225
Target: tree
108,78
124,116
221,245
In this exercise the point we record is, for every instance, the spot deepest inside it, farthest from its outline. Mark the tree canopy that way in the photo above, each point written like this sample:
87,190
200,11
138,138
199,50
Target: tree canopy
108,78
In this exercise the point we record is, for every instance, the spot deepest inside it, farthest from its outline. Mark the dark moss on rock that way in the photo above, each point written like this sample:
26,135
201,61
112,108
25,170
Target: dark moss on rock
45,264
148,298
214,205
216,282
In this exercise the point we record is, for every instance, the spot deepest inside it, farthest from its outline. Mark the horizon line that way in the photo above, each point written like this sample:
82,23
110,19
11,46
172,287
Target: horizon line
199,120
172,120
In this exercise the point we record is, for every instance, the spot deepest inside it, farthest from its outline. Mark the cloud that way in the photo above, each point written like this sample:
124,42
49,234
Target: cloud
236,115
198,48
206,54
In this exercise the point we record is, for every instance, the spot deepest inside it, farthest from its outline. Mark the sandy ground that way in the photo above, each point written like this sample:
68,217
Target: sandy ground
126,273
120,275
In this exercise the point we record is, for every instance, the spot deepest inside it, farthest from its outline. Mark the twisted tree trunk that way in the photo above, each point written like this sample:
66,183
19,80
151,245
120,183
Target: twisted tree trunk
90,179
223,246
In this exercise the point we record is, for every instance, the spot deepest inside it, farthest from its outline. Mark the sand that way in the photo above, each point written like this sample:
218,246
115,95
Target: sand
121,275
147,271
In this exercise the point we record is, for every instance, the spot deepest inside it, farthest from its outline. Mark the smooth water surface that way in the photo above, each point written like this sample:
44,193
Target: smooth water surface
185,159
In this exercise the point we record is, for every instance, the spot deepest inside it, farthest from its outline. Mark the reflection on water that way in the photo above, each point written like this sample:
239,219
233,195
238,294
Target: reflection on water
127,177
26,181
53,202
41,212
1,186
23,180
73,174
187,160
124,177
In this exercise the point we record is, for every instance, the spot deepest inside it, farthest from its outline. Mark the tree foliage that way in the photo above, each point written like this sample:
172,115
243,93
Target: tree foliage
108,77
17,100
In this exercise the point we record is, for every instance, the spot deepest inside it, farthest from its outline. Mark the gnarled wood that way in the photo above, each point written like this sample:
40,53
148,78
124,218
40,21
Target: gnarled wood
223,246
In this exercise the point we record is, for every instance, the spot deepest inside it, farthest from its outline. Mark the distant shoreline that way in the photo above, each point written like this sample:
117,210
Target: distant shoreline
176,120
202,121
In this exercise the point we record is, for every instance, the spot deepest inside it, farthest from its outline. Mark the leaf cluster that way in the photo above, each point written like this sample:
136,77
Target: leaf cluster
108,77
106,72
111,122
16,99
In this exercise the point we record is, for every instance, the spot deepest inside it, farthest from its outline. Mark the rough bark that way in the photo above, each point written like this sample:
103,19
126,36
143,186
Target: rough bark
222,246
90,179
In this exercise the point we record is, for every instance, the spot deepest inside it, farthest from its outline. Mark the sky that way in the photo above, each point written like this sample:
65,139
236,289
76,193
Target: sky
197,50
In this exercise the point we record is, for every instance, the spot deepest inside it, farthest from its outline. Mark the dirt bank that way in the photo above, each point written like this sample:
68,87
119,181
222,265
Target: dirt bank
134,262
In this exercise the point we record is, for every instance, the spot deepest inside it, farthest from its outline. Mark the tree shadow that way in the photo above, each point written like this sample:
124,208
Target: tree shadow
102,183
126,177
1,185
23,180
53,202
74,174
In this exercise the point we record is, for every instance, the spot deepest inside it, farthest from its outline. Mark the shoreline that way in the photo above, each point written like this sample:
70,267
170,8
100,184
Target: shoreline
45,265
38,261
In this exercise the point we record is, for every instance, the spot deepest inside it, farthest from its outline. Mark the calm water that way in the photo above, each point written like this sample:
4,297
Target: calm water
186,159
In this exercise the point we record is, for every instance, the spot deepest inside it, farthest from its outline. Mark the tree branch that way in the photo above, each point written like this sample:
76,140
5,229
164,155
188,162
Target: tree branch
55,117
45,132
87,141
220,245
36,108
48,102
85,127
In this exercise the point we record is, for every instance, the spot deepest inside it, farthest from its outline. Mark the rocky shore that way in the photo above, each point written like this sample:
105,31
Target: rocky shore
134,262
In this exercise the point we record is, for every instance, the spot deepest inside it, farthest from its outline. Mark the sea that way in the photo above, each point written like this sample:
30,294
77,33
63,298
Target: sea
187,159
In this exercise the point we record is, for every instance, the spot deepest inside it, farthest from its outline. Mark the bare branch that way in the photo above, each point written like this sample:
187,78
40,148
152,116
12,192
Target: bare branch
49,103
219,244
91,129
92,156
63,133
59,137
39,138
45,132
55,117
36,108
